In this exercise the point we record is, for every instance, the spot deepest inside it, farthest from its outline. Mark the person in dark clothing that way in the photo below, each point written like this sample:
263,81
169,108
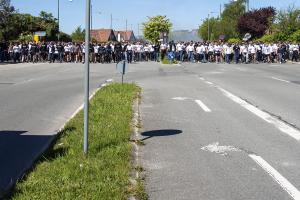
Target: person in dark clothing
236,52
43,51
33,52
60,50
118,52
156,52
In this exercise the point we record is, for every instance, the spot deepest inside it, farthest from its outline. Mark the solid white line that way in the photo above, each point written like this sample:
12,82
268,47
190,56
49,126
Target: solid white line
203,106
210,83
282,126
283,182
278,79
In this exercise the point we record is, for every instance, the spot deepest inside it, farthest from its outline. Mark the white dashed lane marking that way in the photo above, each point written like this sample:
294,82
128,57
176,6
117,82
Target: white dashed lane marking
278,79
203,106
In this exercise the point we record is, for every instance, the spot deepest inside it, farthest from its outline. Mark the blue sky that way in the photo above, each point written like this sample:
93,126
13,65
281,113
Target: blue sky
184,14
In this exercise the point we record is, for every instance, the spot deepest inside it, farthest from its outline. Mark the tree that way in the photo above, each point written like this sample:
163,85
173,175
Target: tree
6,12
155,26
256,22
288,21
78,35
229,18
214,29
226,24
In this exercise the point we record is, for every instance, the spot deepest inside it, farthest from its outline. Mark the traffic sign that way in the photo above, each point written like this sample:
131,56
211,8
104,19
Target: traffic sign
122,67
40,33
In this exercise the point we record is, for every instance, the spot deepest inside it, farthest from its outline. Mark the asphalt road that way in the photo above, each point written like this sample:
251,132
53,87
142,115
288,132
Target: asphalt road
217,131
35,102
211,131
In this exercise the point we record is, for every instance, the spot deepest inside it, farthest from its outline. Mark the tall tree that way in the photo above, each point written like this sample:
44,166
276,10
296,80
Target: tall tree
155,26
227,23
78,35
256,22
288,21
6,12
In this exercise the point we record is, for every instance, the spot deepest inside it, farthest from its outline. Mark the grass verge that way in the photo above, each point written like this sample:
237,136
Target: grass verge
64,172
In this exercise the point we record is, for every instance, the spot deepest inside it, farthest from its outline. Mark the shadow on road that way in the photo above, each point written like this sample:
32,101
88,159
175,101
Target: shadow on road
18,151
160,133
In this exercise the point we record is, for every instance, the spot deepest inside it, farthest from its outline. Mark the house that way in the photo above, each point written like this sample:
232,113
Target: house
103,35
125,36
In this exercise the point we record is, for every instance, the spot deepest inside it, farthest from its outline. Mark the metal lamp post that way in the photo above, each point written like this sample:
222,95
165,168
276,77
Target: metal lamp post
87,75
58,35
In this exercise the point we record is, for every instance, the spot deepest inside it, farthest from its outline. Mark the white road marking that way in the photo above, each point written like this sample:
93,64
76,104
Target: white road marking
210,83
278,79
203,106
180,98
283,182
201,78
282,126
215,148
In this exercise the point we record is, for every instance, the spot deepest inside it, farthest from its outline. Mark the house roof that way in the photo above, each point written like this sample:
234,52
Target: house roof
125,35
103,35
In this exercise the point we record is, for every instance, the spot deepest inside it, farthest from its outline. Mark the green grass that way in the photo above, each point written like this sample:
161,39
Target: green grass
167,62
64,172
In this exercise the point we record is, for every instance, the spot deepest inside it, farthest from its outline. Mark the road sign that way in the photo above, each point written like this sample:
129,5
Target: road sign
36,38
247,37
40,33
122,67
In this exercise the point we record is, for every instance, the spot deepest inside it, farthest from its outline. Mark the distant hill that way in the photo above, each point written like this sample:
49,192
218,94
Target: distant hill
185,35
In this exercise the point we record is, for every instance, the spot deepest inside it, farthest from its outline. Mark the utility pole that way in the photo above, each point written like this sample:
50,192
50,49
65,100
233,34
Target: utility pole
126,25
111,21
58,35
91,16
208,19
138,30
87,76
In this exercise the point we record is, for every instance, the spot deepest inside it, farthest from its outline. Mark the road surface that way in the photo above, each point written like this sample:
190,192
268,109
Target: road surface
218,131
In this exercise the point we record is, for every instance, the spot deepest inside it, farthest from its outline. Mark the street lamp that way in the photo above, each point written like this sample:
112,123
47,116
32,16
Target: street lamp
208,31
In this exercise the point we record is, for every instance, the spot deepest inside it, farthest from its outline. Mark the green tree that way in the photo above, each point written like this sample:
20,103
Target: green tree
288,21
226,24
6,13
155,26
215,30
78,35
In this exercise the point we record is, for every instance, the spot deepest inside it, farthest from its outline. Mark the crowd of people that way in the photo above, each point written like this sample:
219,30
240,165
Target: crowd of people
201,52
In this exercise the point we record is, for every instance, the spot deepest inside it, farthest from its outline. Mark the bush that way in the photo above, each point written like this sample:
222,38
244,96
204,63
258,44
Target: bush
279,36
295,37
234,40
265,39
25,37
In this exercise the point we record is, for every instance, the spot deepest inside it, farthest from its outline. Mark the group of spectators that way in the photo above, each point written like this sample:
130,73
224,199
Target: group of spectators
219,52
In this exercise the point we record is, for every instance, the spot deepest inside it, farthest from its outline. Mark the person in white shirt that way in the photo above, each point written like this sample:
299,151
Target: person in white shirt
190,52
217,51
163,50
228,50
129,49
210,49
295,53
16,52
179,50
252,53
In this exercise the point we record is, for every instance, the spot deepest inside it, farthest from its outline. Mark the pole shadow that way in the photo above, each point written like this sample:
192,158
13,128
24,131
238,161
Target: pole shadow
160,133
18,152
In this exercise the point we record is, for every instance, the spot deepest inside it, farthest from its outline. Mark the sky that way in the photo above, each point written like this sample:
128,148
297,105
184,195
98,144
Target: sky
184,14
